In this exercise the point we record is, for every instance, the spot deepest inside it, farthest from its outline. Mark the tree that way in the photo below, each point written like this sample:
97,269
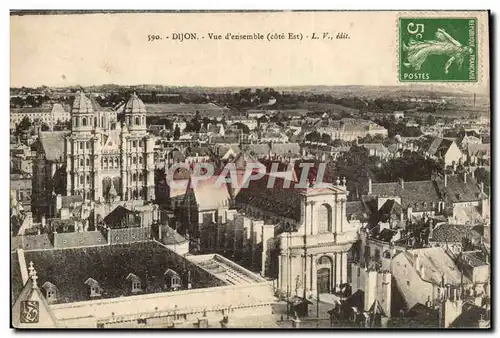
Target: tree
313,137
431,120
243,127
325,138
337,143
23,126
177,132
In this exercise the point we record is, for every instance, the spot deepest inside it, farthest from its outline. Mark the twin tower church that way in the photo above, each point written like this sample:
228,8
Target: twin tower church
105,159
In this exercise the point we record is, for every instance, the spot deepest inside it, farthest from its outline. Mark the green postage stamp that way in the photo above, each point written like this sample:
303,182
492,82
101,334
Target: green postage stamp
438,50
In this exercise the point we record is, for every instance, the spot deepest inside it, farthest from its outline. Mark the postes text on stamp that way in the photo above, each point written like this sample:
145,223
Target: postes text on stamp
438,50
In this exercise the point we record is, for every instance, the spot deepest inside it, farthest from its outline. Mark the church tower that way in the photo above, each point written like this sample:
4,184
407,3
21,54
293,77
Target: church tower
80,148
137,152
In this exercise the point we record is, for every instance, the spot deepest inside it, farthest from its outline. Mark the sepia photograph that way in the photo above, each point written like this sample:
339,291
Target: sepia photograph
250,169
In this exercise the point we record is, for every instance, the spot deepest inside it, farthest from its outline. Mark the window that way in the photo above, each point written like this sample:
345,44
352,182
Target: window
81,145
136,286
116,162
88,180
143,120
84,122
141,143
175,280
102,121
137,121
82,180
142,321
140,159
87,161
105,161
95,121
134,160
408,283
134,177
140,177
87,145
134,144
81,162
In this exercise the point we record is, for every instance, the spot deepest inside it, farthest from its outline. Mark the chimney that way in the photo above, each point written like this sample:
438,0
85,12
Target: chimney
445,180
402,182
43,221
417,262
465,177
482,187
369,186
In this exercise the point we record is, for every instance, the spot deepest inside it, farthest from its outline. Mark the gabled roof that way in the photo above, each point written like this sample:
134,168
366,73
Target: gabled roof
479,149
115,217
379,147
52,143
439,147
91,281
133,277
171,273
452,233
415,194
438,266
458,190
32,294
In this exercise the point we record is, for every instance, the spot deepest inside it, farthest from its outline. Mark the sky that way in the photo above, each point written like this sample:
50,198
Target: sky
93,49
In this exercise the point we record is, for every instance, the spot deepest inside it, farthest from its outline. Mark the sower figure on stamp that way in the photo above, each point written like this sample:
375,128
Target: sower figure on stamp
445,44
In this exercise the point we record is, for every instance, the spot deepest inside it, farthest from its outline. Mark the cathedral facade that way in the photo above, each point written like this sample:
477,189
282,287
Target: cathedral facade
107,160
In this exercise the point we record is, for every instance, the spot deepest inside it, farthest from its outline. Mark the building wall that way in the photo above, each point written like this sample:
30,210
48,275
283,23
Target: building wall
237,301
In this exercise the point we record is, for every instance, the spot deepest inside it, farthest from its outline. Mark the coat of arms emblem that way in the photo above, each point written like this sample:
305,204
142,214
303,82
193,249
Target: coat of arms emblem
29,311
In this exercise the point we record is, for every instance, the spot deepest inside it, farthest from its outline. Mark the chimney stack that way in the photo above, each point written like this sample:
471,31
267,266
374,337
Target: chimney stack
369,186
465,177
482,187
402,181
417,262
445,179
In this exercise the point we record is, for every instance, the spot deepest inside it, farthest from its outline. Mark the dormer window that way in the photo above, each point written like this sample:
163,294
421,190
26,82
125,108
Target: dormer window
135,282
94,288
173,279
50,292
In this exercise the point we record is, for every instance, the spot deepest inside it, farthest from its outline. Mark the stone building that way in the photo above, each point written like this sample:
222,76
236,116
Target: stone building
105,160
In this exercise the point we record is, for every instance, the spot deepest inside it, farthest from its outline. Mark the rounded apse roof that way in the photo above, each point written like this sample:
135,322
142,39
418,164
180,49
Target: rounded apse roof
134,105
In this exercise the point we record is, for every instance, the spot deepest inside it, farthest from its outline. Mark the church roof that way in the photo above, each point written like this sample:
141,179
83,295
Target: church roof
52,143
69,269
135,105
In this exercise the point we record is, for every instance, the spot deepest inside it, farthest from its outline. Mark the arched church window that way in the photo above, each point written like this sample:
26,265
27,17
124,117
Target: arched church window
82,179
95,121
324,218
134,144
134,160
81,162
134,177
84,122
137,121
87,161
88,178
140,177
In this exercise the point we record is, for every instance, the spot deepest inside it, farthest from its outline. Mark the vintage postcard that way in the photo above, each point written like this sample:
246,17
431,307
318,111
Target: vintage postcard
281,169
